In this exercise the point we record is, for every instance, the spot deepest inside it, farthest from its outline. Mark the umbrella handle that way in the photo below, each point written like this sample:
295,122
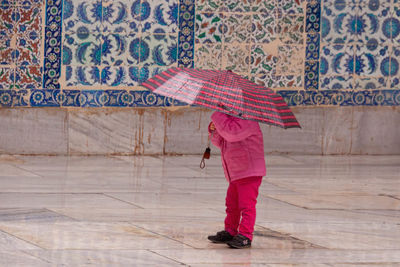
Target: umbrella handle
206,154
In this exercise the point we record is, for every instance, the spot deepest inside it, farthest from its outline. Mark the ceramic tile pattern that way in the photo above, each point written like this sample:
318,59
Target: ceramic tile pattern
71,52
158,211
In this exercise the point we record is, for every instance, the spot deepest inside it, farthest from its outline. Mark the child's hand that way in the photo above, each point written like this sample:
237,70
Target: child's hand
212,126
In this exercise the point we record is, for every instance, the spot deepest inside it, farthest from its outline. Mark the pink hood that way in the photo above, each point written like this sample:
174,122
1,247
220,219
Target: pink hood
241,144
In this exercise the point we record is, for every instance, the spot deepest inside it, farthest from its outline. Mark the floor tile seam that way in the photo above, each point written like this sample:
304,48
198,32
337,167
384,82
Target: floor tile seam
63,215
165,236
265,180
291,236
19,238
35,256
163,256
288,203
127,202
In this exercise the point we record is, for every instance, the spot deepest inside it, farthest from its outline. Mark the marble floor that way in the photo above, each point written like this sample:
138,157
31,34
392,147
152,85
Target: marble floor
158,211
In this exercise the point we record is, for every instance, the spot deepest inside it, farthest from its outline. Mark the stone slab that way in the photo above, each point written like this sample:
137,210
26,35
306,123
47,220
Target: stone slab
33,131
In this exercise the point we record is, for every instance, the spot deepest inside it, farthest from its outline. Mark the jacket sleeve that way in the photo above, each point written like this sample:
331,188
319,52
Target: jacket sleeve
233,129
216,139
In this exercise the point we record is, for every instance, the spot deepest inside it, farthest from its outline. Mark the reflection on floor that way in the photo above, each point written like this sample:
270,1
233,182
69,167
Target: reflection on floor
158,211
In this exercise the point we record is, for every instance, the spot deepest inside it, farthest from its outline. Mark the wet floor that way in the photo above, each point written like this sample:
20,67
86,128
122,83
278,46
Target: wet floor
158,211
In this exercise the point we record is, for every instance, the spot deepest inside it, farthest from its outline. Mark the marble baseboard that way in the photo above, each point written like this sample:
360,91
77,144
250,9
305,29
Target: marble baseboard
152,131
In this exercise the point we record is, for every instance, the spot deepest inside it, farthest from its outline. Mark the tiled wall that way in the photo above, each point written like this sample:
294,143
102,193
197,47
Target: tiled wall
95,53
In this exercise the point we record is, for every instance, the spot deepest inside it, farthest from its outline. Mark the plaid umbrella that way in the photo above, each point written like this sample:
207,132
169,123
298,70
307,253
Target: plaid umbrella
224,91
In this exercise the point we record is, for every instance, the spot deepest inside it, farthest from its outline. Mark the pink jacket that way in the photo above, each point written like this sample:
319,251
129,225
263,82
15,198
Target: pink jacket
241,144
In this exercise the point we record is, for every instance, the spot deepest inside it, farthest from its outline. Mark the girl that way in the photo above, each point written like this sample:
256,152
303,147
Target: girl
242,153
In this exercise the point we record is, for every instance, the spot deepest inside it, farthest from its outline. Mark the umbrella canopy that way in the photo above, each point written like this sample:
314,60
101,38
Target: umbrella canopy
224,91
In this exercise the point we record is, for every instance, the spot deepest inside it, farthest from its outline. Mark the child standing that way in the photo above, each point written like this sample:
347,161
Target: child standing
242,153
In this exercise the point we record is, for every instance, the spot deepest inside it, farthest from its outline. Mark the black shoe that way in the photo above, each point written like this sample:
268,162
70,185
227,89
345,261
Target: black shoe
220,237
239,241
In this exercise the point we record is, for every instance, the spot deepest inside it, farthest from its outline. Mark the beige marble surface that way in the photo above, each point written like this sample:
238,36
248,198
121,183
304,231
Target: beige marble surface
158,211
366,130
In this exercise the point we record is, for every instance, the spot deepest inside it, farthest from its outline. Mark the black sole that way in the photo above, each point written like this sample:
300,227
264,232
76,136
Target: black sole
238,247
218,242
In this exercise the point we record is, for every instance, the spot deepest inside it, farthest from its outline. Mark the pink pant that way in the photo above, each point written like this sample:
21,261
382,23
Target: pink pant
241,200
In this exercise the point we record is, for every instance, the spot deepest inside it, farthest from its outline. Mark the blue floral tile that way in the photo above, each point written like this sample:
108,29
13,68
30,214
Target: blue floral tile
51,72
118,98
138,75
371,83
115,49
372,61
136,49
93,98
209,28
7,78
148,71
69,98
373,25
336,82
339,23
313,16
337,59
81,49
52,44
120,16
264,28
160,50
82,76
123,76
186,34
43,98
392,25
395,61
21,98
394,82
82,16
311,76
159,16
114,76
312,46
6,98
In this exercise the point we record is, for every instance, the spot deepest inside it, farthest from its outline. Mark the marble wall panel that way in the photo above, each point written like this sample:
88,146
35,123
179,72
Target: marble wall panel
33,131
337,130
376,130
150,131
186,131
296,141
108,131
